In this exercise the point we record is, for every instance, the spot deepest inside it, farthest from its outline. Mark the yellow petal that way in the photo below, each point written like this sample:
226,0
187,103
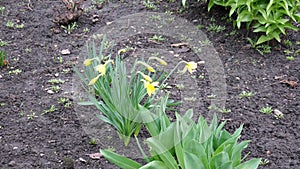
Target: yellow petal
101,69
94,80
150,69
191,66
87,62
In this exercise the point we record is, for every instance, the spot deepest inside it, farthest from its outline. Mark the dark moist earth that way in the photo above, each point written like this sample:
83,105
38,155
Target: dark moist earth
32,138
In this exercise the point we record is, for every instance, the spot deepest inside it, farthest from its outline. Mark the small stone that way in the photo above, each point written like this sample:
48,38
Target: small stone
12,163
65,52
50,91
82,160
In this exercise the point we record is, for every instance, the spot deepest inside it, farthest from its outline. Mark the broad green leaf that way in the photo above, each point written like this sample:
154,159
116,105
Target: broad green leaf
236,153
155,165
275,34
192,161
120,161
163,151
251,164
263,39
260,29
198,150
219,159
227,165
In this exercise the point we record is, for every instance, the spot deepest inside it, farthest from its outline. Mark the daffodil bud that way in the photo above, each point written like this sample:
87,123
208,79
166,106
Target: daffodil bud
161,61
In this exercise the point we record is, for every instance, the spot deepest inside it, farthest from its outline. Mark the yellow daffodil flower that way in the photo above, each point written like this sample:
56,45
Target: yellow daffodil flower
190,66
94,80
87,62
161,61
146,77
149,68
102,67
150,87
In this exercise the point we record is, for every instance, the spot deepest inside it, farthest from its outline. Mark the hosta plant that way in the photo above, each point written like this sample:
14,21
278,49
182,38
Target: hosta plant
188,145
272,18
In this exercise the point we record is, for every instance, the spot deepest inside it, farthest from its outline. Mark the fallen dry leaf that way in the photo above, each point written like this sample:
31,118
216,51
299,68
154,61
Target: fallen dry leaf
290,82
179,44
95,156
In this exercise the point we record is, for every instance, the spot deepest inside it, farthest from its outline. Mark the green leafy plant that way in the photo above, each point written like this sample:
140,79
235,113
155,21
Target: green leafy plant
157,38
70,27
3,43
246,94
50,110
10,24
271,18
188,145
266,110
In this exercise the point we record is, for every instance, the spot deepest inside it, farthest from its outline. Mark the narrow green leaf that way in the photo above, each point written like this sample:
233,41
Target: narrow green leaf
251,164
120,161
154,165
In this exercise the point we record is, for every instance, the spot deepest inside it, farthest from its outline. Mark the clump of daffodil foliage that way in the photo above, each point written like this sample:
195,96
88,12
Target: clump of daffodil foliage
122,97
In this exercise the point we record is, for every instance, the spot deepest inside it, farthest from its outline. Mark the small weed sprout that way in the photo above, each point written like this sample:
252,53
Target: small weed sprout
69,28
55,88
246,94
60,59
3,43
149,4
86,30
93,141
50,110
213,28
31,116
56,81
157,38
266,110
16,72
224,110
27,50
264,162
20,26
290,58
9,24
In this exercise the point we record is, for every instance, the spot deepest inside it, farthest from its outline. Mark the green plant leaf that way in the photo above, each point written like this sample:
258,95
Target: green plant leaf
251,164
210,4
263,39
120,161
154,165
192,161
